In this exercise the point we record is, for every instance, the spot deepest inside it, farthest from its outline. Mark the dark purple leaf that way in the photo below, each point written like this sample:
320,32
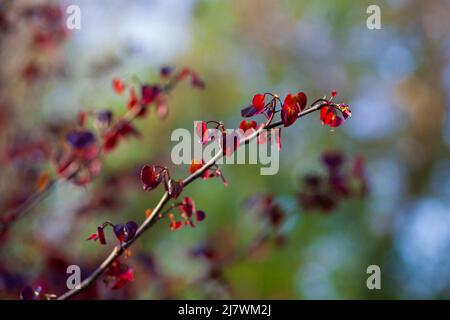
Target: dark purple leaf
80,139
166,71
131,228
104,118
200,215
248,111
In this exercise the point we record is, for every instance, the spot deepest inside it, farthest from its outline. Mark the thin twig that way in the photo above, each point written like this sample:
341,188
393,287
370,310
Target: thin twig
153,217
23,209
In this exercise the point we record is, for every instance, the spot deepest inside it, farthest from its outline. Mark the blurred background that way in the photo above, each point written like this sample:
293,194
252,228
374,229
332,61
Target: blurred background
396,80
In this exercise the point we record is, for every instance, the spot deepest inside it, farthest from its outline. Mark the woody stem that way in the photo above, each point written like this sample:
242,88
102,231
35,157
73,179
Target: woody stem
152,218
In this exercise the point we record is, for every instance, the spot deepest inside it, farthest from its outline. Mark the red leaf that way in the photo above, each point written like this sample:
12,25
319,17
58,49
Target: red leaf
175,188
330,116
323,113
346,112
290,110
202,131
258,101
149,93
150,178
336,122
196,165
101,235
121,274
110,140
247,125
187,207
301,100
327,114
126,129
174,225
93,236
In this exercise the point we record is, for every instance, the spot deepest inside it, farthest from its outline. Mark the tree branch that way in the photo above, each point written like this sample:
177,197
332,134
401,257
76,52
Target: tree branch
151,219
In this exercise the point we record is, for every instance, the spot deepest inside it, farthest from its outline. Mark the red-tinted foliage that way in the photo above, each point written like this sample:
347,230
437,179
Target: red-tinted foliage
118,86
324,192
118,275
188,214
123,232
292,106
100,235
268,210
196,165
81,163
173,187
201,130
257,106
329,114
248,127
150,177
